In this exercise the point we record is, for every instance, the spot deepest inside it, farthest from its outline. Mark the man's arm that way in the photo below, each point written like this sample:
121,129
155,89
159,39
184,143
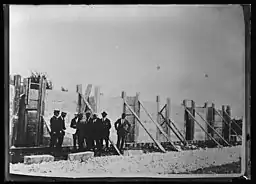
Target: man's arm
109,124
116,123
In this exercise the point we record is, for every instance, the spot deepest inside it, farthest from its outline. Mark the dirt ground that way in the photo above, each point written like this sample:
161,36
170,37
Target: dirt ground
204,161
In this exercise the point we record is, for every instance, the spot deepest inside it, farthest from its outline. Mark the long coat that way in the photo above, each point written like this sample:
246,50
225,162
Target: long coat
106,125
122,129
62,125
55,125
73,124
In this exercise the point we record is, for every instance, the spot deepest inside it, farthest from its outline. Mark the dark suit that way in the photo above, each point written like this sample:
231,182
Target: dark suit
106,125
89,133
54,124
81,133
73,124
122,131
62,133
98,133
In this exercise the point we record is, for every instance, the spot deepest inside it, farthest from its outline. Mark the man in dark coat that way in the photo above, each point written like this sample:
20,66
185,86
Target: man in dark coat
80,128
62,128
122,127
89,131
106,125
73,125
55,128
94,129
98,127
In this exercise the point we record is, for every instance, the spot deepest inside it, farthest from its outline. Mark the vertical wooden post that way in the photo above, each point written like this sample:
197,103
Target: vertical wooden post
189,122
17,81
79,100
213,117
137,111
192,121
225,130
167,114
123,95
97,98
38,128
228,111
158,117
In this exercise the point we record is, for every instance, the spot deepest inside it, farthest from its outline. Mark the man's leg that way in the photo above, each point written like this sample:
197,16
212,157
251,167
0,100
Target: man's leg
118,141
80,141
122,142
74,140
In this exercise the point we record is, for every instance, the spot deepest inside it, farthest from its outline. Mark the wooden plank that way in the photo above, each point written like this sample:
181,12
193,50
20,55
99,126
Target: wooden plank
189,113
137,111
177,130
162,108
86,96
158,117
172,129
97,98
212,128
167,113
226,123
156,142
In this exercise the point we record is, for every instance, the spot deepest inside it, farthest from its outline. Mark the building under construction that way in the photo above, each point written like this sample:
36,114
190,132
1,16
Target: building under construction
158,122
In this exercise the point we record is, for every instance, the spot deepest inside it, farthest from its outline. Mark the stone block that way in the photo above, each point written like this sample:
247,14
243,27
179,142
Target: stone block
33,159
132,152
81,156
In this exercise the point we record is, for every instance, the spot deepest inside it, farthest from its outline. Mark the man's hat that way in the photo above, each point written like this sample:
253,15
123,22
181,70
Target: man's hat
56,110
104,113
87,112
95,115
63,112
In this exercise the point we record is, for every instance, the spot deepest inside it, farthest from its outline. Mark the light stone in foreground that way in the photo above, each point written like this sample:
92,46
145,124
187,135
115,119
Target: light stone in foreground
33,159
132,152
81,156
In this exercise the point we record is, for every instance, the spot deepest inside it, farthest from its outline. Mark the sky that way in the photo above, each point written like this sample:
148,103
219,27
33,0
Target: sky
119,48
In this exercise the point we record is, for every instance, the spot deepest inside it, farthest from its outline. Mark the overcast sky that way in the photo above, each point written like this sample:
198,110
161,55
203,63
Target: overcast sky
120,47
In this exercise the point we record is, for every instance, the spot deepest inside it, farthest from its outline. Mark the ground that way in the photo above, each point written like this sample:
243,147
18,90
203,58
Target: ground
212,160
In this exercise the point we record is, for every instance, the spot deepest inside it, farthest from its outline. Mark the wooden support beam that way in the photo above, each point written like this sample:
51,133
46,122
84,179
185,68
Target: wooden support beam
175,132
137,111
97,98
167,113
38,124
158,117
189,113
212,128
123,96
155,141
159,127
226,122
162,108
79,98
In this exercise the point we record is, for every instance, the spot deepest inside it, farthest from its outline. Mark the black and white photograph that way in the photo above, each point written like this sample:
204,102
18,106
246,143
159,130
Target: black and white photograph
139,91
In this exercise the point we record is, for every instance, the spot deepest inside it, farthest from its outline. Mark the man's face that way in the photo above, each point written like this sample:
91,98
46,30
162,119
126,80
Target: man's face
104,116
63,115
56,114
123,116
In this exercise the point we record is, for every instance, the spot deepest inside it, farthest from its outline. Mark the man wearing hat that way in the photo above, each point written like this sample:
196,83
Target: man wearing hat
88,130
80,131
73,125
106,125
95,130
62,128
55,128
122,127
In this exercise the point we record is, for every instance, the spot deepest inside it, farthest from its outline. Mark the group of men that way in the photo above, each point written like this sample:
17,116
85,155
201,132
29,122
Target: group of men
90,131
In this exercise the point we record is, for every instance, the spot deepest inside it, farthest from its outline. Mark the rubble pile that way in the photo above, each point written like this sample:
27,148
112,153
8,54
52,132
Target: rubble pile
151,163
